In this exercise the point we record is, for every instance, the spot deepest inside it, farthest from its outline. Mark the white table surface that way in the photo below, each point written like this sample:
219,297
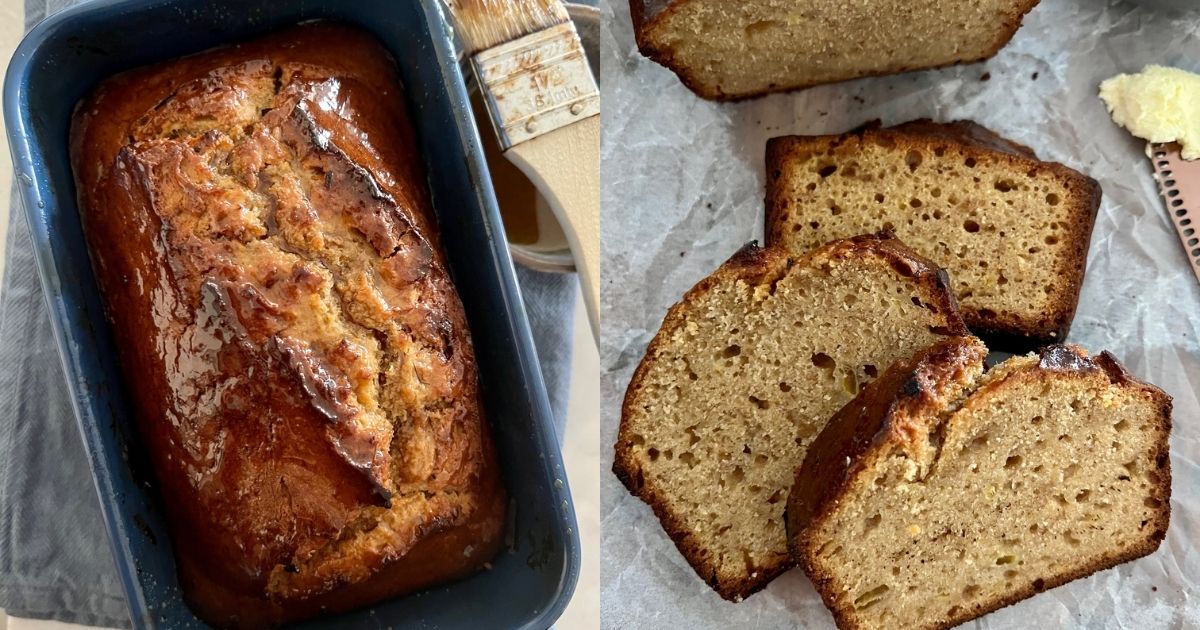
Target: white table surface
581,449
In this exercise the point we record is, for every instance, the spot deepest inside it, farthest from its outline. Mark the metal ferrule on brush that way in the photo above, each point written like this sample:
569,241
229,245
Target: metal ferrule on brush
536,84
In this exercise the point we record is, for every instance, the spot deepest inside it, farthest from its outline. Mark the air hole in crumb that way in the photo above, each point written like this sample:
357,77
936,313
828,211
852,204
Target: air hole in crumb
953,612
1010,574
1052,240
1122,425
1071,539
738,474
871,371
850,299
776,497
689,459
936,192
1037,420
913,159
823,361
1152,503
888,226
916,203
827,170
731,351
969,162
1006,560
1071,470
872,523
755,489
1039,584
746,449
652,453
1013,461
970,226
1005,185
760,403
760,460
979,442
1083,496
1052,199
1033,529
669,454
870,598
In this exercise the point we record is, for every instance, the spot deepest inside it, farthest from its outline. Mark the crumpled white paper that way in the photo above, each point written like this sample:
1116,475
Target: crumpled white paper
683,189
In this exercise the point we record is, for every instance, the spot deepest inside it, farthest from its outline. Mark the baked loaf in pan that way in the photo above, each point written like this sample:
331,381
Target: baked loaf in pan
745,371
726,50
942,493
296,355
1012,230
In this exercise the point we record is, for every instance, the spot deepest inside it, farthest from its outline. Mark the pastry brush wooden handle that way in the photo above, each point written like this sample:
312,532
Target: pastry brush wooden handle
564,165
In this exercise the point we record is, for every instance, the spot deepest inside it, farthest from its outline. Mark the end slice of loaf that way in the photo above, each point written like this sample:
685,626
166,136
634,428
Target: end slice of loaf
1013,231
734,50
745,371
942,493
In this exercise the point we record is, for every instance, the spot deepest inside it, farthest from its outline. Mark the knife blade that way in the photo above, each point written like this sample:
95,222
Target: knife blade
1179,184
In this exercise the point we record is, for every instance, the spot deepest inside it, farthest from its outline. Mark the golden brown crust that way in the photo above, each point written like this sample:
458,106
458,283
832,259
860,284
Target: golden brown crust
649,14
759,266
862,430
1002,330
295,352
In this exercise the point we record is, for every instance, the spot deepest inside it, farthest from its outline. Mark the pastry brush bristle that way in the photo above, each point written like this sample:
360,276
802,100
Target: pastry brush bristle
487,23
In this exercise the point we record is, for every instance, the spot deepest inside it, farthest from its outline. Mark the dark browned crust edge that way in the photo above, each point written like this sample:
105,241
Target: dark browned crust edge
762,266
1054,358
643,23
1002,331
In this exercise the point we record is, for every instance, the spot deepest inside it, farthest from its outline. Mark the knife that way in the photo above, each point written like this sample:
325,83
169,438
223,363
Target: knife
1179,184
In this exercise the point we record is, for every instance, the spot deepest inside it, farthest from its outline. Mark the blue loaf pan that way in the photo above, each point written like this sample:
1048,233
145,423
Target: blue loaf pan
60,61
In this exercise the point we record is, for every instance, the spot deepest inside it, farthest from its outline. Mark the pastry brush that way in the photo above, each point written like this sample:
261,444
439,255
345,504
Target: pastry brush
545,108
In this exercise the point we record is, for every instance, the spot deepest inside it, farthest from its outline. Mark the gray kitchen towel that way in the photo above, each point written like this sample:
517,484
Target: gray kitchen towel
55,561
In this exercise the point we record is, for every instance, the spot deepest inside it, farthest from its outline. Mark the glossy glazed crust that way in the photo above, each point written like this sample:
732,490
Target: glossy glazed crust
1005,331
650,14
880,419
296,355
757,266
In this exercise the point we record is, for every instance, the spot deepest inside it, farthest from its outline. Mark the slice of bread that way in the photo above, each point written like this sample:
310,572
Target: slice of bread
726,50
1012,231
941,493
745,371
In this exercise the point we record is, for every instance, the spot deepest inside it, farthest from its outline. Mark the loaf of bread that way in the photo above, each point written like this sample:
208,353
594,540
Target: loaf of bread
1012,231
745,371
296,355
942,493
734,50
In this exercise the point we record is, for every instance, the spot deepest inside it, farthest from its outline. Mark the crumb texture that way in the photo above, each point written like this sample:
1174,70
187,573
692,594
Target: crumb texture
731,50
745,372
299,358
1041,473
1012,231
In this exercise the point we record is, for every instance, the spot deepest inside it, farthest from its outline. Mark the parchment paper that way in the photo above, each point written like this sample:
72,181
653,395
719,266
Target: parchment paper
683,190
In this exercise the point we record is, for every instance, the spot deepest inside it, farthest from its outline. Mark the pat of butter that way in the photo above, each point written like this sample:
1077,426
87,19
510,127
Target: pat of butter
1158,104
